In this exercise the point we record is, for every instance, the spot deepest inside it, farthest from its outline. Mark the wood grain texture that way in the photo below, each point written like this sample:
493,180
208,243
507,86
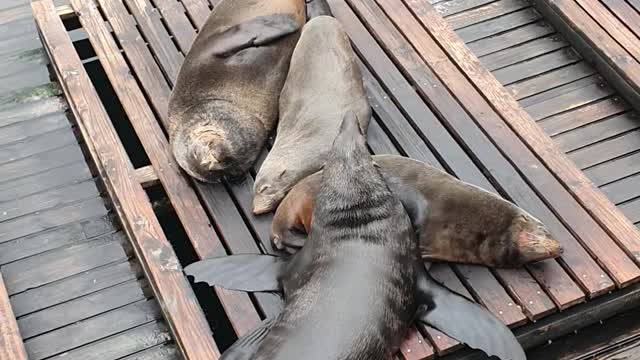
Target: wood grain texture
182,196
599,207
11,344
151,246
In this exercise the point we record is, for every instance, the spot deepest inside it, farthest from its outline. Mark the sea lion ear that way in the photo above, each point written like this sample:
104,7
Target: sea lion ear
258,31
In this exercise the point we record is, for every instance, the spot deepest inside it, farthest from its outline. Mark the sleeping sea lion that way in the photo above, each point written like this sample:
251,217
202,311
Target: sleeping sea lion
323,83
225,100
317,8
357,285
465,224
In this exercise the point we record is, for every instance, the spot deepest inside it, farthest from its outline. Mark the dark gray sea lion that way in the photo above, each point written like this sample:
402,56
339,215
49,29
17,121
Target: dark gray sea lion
358,284
323,83
465,224
318,8
225,100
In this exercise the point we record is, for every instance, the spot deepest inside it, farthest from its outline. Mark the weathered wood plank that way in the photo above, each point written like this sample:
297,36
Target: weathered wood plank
511,38
178,23
523,52
69,337
632,209
602,130
40,162
614,170
626,13
21,112
184,200
560,90
451,7
147,176
169,284
198,11
58,264
486,12
64,314
74,287
623,189
582,116
495,26
553,79
131,344
607,150
32,146
536,66
58,237
593,202
49,219
569,101
11,344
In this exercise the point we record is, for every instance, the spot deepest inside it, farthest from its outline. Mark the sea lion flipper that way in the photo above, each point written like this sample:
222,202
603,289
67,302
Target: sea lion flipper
246,346
465,320
258,31
243,272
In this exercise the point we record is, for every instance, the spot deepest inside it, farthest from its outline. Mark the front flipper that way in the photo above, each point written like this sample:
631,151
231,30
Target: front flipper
464,320
246,272
255,32
246,346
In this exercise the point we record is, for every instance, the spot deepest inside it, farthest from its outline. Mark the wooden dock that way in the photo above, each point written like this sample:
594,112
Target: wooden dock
68,285
485,90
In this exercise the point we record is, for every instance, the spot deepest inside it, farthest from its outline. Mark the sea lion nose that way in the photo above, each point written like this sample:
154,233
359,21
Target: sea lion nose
538,245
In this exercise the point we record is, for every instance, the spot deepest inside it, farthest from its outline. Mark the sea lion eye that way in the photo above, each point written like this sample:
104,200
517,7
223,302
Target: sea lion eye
263,188
282,173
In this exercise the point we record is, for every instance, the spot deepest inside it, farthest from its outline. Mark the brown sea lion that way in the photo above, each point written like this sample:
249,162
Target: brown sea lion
465,223
324,82
357,285
225,100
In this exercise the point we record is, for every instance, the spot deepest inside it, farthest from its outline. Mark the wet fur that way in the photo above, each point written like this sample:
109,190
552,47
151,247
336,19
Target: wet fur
323,83
348,293
465,223
225,100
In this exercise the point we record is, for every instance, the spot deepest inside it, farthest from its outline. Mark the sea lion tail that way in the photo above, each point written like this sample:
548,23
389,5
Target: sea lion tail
246,346
464,320
243,272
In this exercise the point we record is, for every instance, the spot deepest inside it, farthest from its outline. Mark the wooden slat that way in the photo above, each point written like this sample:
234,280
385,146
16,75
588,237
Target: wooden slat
169,284
147,176
614,170
495,26
553,79
483,13
569,100
606,150
588,135
522,52
11,344
559,285
179,25
241,312
622,190
560,90
536,66
603,211
510,38
583,116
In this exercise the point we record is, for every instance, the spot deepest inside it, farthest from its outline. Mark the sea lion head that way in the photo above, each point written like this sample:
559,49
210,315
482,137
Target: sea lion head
533,240
268,190
217,142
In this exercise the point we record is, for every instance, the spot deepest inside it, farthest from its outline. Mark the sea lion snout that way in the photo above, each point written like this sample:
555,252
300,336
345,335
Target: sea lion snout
268,191
535,242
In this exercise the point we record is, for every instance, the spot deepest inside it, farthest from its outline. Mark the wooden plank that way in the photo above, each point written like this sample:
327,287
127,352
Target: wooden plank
448,8
609,57
523,52
21,112
49,179
584,192
146,176
536,66
560,90
58,264
64,314
45,142
146,342
40,162
74,287
569,101
499,25
486,12
198,11
623,189
169,284
53,239
69,337
606,150
602,130
631,209
49,199
550,80
614,170
238,305
582,116
511,38
625,13
178,23
49,219
11,344
449,109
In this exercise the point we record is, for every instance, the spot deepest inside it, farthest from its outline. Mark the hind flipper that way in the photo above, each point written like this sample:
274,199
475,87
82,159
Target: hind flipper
464,320
258,31
245,347
246,272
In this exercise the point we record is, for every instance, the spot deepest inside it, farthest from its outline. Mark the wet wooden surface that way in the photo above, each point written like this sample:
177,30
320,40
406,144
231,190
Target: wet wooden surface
73,288
426,108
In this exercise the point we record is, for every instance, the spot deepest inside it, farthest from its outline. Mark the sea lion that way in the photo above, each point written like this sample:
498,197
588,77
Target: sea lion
318,8
465,224
323,83
357,285
225,100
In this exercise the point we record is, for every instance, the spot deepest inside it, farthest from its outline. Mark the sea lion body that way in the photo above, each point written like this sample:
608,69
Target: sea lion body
465,224
323,83
348,292
225,100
